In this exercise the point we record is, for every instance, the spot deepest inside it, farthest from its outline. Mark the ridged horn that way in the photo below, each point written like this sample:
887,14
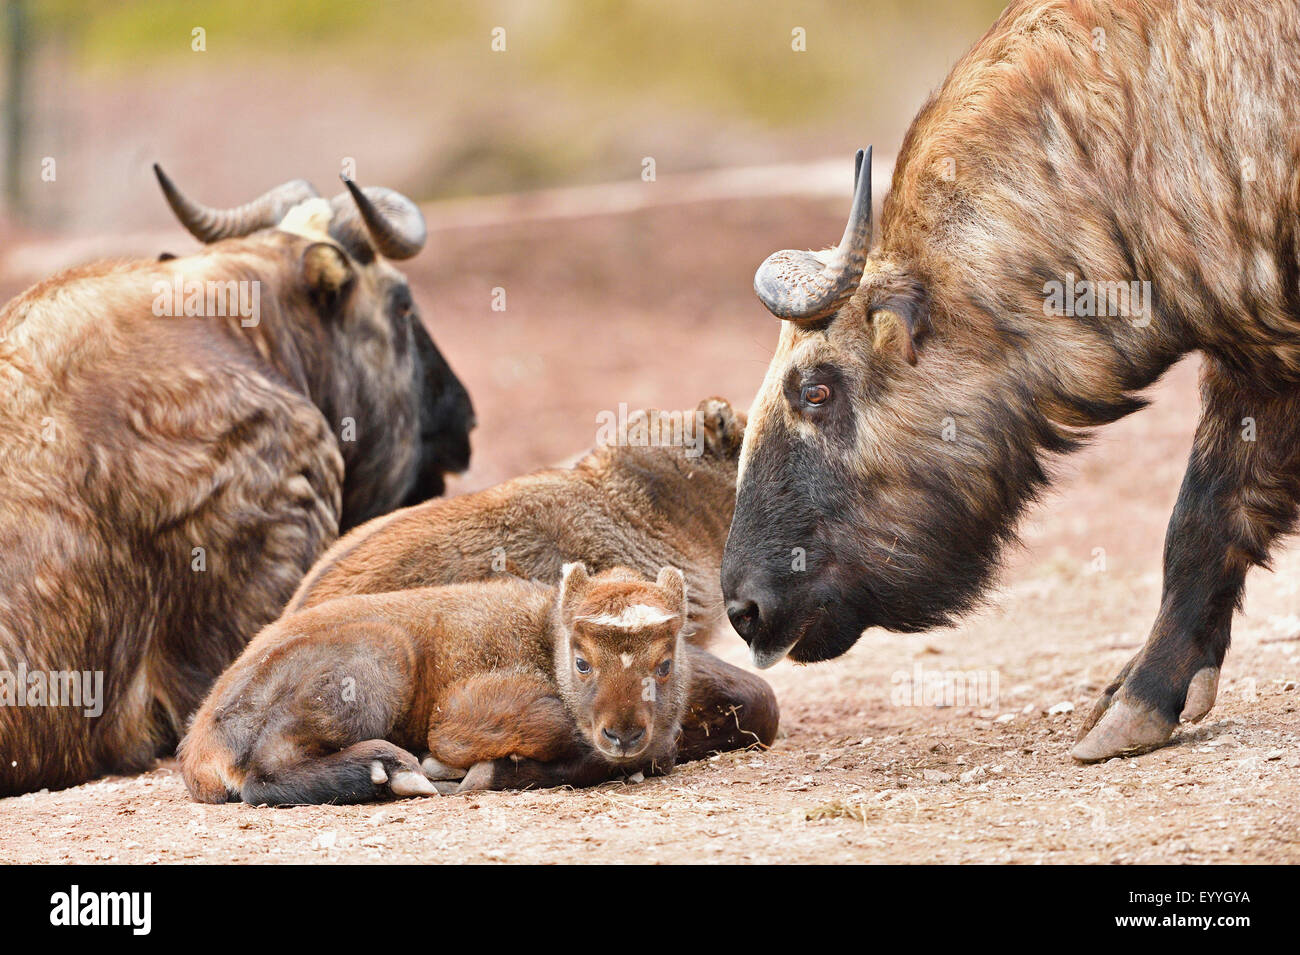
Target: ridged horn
808,286
209,225
385,220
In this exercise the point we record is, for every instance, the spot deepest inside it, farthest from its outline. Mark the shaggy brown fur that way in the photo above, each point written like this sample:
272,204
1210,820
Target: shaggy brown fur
1078,141
620,505
504,683
165,481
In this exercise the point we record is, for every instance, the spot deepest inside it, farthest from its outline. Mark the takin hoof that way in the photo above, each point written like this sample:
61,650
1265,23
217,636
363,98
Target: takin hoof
440,772
1201,693
480,777
407,783
1122,729
404,782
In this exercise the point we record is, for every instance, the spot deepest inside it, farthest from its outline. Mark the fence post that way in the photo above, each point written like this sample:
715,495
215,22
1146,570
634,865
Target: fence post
15,103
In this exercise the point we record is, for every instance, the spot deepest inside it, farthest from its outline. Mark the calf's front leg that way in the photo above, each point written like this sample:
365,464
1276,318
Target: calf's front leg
1239,494
579,770
498,714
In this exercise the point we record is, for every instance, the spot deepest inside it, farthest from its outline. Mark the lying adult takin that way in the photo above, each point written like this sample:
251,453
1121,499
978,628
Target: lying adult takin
628,503
505,684
183,438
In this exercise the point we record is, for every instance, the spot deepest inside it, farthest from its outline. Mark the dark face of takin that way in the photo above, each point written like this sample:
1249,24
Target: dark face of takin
873,491
402,416
446,419
618,660
349,331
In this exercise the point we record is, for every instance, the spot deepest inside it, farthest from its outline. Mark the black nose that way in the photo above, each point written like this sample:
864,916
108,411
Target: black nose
746,617
624,740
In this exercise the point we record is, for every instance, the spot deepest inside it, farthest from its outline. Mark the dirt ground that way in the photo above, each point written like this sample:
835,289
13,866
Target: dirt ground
655,308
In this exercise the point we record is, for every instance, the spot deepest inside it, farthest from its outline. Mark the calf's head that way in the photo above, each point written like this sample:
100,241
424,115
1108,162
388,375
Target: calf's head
401,415
618,658
886,454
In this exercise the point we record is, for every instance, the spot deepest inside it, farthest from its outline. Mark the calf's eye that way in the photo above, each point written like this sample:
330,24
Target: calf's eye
663,669
581,665
815,394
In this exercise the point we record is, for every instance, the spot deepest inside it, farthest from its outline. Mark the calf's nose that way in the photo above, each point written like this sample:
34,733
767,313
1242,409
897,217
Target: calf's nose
624,739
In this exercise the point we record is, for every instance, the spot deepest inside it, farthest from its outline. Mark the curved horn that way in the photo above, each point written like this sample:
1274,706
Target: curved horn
209,225
389,222
807,286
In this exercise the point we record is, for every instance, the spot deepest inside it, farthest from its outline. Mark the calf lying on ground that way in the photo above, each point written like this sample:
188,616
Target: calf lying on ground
505,683
627,503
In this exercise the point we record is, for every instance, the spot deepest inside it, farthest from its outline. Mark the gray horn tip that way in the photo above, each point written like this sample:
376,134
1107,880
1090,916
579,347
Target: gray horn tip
164,180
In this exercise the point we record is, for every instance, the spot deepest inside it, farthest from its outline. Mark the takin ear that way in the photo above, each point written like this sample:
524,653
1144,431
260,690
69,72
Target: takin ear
574,584
672,582
902,314
724,427
327,272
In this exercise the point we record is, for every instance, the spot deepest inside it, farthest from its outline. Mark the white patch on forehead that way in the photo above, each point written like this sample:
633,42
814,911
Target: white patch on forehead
309,219
638,615
626,659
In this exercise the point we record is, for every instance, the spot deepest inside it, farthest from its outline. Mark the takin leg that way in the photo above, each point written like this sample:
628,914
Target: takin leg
364,771
493,715
1238,495
581,769
727,708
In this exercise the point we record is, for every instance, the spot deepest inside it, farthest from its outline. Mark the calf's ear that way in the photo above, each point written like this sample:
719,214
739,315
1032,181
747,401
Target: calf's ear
724,427
327,273
673,584
574,584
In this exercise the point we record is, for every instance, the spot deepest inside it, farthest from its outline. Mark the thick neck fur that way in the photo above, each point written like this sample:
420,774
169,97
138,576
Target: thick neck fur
1052,156
684,505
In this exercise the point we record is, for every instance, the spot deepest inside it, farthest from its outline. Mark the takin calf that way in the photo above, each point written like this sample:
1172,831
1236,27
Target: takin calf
505,684
631,503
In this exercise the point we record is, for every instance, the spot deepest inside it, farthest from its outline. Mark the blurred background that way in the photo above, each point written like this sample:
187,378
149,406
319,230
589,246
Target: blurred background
423,96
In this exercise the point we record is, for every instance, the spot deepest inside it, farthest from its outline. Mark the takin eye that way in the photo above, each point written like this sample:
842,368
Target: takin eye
664,668
581,665
814,396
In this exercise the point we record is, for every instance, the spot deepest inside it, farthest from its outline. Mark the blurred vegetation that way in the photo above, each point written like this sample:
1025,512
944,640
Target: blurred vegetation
586,88
736,54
